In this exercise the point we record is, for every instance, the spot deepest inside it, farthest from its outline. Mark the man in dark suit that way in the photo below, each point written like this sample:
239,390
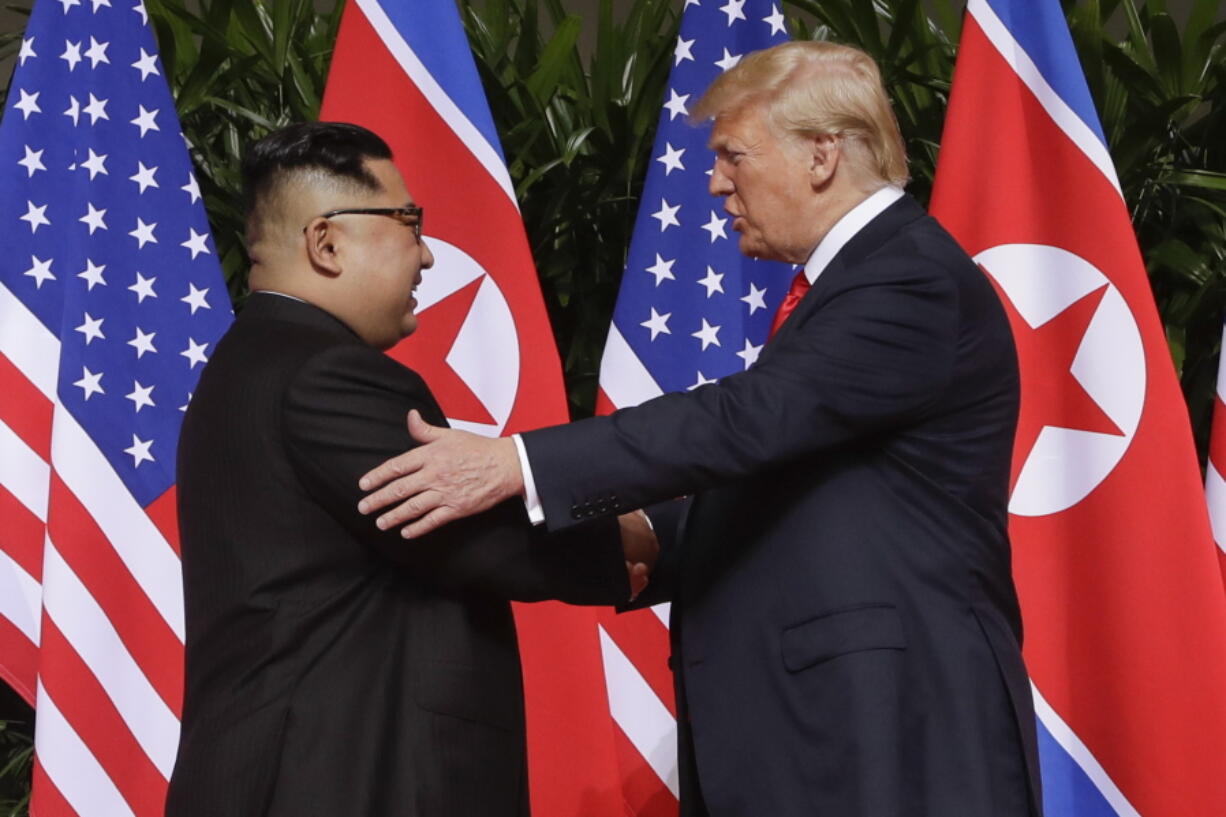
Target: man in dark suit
333,669
846,634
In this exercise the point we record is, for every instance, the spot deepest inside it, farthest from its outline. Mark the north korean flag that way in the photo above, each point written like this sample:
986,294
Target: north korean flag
1121,594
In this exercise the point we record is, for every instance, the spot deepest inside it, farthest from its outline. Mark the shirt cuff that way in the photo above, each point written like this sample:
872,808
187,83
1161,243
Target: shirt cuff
532,500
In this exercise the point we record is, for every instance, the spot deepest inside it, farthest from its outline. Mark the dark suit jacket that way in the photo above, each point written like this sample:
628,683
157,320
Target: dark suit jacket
331,668
846,631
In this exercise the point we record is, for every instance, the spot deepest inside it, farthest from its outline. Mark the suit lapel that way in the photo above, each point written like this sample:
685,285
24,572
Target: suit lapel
835,276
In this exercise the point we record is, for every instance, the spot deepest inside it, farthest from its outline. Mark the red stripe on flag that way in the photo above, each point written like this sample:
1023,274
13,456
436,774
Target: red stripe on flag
572,770
18,660
85,704
164,511
87,551
21,536
45,798
24,409
646,795
643,638
1217,437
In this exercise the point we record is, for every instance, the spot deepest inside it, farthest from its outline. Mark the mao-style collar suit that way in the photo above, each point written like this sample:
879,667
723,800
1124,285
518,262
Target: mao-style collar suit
846,634
332,668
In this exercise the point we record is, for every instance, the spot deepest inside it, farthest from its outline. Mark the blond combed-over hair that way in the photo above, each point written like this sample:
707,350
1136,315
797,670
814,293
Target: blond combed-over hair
816,88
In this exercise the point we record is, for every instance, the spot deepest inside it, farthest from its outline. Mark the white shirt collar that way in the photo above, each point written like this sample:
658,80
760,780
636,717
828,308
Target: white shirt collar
852,222
282,294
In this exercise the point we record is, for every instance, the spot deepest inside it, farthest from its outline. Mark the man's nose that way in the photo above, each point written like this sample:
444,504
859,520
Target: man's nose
720,184
427,257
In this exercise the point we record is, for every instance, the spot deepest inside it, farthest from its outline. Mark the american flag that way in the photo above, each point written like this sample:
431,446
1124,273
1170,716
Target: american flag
691,309
1215,469
111,299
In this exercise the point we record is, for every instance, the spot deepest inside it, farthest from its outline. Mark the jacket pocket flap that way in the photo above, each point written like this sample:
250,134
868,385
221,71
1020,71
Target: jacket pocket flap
466,692
876,627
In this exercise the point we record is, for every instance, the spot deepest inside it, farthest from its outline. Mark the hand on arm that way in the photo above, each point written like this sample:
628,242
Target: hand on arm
451,475
345,412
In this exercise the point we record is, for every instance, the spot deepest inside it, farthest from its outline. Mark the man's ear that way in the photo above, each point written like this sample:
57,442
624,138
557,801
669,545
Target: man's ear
825,152
321,237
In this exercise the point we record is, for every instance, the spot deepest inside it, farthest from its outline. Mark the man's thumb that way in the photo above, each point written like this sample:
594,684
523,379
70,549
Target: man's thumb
419,429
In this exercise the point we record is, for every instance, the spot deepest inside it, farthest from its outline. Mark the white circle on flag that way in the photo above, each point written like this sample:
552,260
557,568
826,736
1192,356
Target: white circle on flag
1065,465
485,354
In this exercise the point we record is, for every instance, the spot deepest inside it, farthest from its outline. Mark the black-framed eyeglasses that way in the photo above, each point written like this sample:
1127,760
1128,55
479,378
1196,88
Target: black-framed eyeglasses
410,215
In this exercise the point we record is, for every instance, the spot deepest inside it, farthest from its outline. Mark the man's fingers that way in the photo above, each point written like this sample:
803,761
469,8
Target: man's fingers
415,507
638,574
435,519
398,466
398,489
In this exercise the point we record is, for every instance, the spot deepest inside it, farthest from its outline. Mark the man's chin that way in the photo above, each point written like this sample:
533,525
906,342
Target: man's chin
755,249
752,249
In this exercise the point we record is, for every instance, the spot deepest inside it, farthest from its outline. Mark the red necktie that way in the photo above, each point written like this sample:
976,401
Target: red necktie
800,285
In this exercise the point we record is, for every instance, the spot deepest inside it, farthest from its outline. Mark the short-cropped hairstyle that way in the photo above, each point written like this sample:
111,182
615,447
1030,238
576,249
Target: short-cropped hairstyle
335,151
816,88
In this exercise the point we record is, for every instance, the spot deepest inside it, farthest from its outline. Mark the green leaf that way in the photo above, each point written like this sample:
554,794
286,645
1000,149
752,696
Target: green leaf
1136,37
1201,18
252,28
1168,51
1177,257
542,82
1202,179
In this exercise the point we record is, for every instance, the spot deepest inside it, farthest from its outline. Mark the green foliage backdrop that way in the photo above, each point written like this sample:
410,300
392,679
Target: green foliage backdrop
577,124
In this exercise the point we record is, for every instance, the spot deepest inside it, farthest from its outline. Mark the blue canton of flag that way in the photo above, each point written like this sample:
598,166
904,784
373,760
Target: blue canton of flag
692,308
108,242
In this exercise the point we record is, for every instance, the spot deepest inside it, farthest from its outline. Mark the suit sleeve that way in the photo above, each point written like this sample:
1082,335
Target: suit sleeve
873,358
345,413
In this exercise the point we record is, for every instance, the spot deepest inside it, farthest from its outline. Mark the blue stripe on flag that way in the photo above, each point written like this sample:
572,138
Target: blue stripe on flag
1042,32
1067,790
434,31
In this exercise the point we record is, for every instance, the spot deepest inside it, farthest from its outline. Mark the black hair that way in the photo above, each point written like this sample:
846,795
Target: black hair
337,149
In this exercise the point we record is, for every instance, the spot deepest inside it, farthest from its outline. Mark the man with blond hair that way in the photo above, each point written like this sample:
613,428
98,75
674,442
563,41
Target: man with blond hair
846,633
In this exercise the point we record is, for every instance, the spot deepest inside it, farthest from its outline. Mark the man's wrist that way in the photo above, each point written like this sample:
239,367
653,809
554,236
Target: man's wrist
532,500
